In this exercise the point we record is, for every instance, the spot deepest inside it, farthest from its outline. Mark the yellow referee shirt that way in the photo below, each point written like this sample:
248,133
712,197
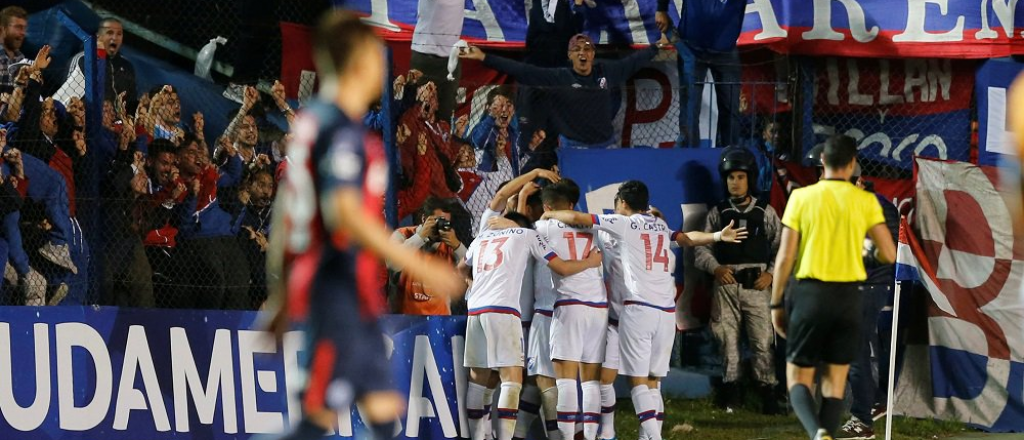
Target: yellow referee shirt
832,217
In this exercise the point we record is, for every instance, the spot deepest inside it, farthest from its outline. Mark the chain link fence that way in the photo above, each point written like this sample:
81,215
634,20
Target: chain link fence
895,109
134,234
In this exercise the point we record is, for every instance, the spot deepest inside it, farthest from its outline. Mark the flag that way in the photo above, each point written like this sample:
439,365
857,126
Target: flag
966,252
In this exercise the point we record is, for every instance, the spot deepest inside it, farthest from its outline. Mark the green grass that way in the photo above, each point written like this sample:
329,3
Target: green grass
710,423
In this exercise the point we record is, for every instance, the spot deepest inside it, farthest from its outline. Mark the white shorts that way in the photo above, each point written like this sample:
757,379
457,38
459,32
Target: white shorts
611,348
646,335
526,337
577,333
494,340
538,360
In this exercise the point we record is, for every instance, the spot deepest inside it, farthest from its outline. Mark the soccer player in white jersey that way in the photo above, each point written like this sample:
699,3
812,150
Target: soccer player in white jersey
647,321
497,260
615,285
508,198
539,368
580,316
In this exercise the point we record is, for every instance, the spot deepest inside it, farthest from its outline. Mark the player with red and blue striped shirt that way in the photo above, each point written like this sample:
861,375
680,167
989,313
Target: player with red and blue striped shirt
323,263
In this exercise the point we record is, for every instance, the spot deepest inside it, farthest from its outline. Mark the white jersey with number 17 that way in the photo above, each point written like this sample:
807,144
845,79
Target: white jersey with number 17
644,243
571,243
499,260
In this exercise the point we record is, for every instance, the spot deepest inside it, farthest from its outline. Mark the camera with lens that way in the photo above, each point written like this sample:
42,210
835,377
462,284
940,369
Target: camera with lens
444,224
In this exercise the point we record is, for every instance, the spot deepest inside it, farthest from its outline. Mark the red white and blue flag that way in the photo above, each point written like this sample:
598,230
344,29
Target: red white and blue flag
968,253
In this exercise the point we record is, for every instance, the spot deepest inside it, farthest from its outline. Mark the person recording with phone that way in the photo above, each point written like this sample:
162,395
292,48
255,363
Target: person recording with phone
436,235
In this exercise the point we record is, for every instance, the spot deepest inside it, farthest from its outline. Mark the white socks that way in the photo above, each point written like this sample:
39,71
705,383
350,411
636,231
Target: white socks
591,408
567,407
508,409
549,405
486,421
475,410
529,407
646,411
607,411
660,402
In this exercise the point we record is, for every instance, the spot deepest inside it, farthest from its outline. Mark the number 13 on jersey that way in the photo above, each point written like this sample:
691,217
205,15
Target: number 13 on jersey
655,254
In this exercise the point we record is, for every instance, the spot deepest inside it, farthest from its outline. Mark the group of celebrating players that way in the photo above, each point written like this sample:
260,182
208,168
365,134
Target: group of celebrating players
597,290
585,325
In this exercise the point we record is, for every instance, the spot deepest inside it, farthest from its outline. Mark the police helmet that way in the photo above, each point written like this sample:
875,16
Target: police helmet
738,159
813,157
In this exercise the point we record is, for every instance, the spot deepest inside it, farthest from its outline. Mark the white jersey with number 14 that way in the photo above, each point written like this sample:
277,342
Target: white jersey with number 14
648,263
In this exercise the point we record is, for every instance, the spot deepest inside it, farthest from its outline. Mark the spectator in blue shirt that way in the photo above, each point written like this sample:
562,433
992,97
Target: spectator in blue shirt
707,31
496,134
208,246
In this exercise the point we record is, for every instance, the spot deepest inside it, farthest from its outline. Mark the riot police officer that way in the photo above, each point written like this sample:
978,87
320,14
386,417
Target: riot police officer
743,276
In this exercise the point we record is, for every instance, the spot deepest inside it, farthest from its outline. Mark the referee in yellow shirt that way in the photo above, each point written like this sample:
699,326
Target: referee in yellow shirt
823,236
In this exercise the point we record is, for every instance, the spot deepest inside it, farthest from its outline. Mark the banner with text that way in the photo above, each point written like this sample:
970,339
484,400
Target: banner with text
863,28
126,374
895,109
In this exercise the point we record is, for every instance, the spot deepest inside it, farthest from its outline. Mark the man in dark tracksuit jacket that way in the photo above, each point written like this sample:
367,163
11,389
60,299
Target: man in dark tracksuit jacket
877,291
548,32
582,91
208,245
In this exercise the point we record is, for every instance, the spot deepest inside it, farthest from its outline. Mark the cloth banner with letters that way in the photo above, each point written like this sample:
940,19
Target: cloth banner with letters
856,28
895,109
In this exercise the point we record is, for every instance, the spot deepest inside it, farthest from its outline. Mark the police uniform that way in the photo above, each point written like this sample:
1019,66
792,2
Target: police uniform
733,305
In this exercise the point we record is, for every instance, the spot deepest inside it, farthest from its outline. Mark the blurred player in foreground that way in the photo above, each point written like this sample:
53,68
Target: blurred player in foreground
324,256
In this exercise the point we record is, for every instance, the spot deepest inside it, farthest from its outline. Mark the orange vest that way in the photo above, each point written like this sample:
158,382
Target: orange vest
416,299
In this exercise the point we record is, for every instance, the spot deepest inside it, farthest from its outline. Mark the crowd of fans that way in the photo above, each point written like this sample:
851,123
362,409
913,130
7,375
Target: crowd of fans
144,213
148,212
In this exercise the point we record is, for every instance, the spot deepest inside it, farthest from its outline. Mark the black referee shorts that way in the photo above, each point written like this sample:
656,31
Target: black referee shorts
824,322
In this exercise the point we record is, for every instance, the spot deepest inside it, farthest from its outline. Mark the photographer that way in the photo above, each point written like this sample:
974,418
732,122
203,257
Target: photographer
434,235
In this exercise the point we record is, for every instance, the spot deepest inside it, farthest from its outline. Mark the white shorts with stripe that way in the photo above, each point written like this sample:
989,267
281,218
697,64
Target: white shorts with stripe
578,331
494,340
538,360
646,335
611,346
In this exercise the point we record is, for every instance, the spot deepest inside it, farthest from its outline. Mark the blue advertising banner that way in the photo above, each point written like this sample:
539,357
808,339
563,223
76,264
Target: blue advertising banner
673,176
126,374
994,139
857,28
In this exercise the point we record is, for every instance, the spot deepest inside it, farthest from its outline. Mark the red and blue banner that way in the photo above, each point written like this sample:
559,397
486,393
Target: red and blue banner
969,256
895,109
855,28
125,374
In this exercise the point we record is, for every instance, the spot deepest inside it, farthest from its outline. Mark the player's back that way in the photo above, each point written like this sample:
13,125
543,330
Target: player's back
499,260
329,151
614,273
544,293
571,243
648,261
